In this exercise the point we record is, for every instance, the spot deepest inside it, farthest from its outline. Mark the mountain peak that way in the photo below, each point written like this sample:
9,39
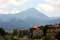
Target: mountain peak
32,9
32,12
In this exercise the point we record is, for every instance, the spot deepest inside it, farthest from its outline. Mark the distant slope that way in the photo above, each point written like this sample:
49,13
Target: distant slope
34,17
33,13
54,18
25,19
54,21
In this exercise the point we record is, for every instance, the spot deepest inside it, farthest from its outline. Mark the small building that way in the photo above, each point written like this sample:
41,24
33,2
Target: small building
53,28
51,31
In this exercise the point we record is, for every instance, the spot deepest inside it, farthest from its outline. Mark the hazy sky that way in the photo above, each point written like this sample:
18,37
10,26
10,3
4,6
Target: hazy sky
50,8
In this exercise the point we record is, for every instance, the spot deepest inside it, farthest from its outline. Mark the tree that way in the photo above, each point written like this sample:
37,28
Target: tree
3,33
59,24
30,33
14,34
45,29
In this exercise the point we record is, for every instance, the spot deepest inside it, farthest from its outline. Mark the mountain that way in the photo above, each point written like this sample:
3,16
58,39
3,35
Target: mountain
34,17
33,13
54,18
54,21
24,19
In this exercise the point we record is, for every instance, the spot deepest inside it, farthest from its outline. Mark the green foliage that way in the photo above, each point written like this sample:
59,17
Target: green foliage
14,32
2,32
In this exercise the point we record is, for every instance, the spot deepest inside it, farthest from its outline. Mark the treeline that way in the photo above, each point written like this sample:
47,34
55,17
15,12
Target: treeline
27,33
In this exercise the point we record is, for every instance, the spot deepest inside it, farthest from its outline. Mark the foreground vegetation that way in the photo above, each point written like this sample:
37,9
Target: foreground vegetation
26,34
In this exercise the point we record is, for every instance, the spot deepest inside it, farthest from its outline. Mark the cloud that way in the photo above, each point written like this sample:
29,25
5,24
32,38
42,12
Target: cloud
10,6
45,7
2,2
50,8
15,6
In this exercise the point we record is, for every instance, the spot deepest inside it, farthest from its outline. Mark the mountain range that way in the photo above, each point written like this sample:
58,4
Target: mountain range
26,19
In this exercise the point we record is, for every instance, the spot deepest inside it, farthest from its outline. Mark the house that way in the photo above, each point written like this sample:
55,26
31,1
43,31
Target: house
51,31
